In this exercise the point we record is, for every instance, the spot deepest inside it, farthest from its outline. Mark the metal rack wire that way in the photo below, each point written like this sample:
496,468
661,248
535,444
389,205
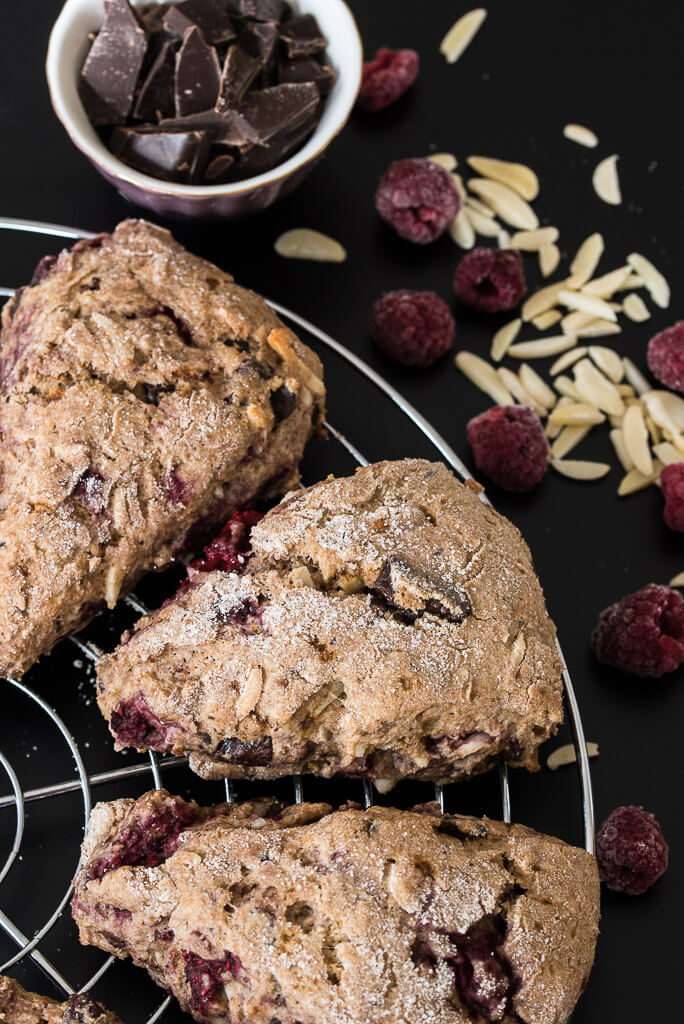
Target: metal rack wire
155,767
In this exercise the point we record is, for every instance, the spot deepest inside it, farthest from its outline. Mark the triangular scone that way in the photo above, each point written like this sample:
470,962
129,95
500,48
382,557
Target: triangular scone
143,397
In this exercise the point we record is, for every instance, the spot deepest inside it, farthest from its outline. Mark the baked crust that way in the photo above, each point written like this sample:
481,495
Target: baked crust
389,625
17,1006
136,385
256,912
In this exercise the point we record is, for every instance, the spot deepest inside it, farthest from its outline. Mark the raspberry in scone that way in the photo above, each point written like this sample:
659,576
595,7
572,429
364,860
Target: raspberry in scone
259,912
387,625
143,398
17,1006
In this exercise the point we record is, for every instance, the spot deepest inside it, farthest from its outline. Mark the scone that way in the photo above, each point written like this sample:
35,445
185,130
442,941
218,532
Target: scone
143,397
17,1006
258,913
388,625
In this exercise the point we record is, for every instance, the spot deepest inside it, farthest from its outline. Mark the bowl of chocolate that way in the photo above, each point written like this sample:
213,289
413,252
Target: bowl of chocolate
204,108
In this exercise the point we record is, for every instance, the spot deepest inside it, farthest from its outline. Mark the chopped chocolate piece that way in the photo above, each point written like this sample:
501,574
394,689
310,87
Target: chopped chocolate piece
414,593
228,127
169,156
155,99
198,75
306,69
207,15
302,36
110,73
260,42
218,167
152,16
239,71
260,159
255,753
279,109
262,10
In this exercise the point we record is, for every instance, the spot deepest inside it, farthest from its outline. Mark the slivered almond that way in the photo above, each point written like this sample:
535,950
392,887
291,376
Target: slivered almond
636,481
666,408
306,244
678,580
636,377
542,348
548,319
544,299
532,241
635,308
549,258
618,442
446,160
535,386
574,322
503,239
462,231
113,581
605,287
567,755
477,204
460,187
483,376
598,329
485,226
511,381
564,386
609,362
587,257
606,182
504,337
634,281
568,439
626,390
567,359
596,389
506,203
596,307
667,453
518,177
655,283
581,135
578,469
552,430
461,34
636,439
578,414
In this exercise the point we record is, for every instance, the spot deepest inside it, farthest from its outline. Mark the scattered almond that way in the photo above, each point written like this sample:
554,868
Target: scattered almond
564,755
548,319
635,308
567,359
461,34
635,481
605,287
462,231
549,258
506,203
636,439
598,329
587,257
542,348
596,389
568,439
532,241
483,376
483,225
535,386
636,377
518,177
608,361
618,442
580,470
512,382
667,453
577,414
564,386
581,135
503,338
446,160
678,580
306,244
596,307
606,182
655,283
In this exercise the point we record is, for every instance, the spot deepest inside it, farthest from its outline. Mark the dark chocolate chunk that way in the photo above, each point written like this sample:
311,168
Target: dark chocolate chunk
262,10
260,42
413,593
302,36
227,127
281,108
207,15
110,73
152,16
260,159
155,98
198,75
239,71
306,69
169,156
283,402
255,753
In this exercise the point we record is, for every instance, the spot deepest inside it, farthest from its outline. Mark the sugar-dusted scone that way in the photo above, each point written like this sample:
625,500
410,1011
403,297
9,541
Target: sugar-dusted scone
17,1006
143,397
388,625
257,913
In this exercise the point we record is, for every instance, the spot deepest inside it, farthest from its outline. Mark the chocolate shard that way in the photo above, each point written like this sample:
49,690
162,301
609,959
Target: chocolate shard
170,156
152,16
227,127
413,593
209,16
239,71
262,10
302,36
198,75
306,69
261,41
281,108
260,159
110,73
156,96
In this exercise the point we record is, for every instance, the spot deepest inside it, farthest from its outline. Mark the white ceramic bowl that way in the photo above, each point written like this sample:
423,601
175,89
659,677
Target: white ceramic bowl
66,53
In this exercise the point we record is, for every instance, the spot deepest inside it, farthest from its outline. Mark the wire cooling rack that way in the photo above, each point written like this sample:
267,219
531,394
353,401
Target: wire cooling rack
153,768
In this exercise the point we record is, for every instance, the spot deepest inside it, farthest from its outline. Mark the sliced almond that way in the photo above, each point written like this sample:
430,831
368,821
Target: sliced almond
567,359
542,348
667,453
446,160
460,187
544,299
577,414
606,182
520,178
483,225
532,241
483,376
636,377
678,580
574,322
552,430
503,239
596,307
635,308
605,287
506,203
306,244
608,361
477,204
636,439
636,481
549,258
655,283
626,390
580,134
633,281
666,408
113,581
618,442
598,329
462,231
587,257
548,319
596,389
578,469
567,755
461,34
568,439
503,338
564,386
535,386
512,382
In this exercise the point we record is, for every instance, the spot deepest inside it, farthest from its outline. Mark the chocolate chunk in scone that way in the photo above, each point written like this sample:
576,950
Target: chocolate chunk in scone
17,1006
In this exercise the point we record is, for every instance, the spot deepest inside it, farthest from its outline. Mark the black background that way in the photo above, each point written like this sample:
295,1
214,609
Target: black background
533,67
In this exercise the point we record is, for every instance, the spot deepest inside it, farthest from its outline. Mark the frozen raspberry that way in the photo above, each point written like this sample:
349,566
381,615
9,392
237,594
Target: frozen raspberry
415,328
418,198
666,357
643,633
490,280
204,980
672,485
510,446
386,78
229,550
631,850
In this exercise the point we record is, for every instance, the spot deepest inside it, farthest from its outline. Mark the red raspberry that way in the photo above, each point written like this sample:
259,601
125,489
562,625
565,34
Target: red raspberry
415,328
631,850
386,78
491,280
230,549
666,357
418,198
643,633
510,446
672,485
